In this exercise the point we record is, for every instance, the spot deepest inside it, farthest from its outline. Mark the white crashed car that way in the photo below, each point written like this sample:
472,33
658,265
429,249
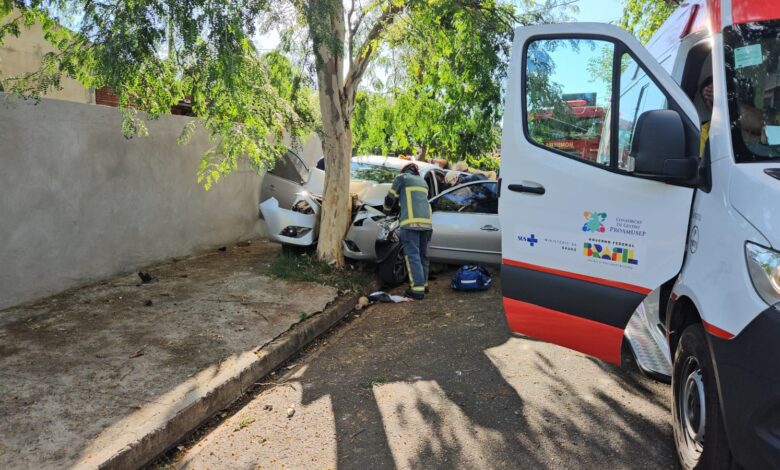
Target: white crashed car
465,217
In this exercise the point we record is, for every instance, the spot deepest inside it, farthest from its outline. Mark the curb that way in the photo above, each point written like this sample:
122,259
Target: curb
203,401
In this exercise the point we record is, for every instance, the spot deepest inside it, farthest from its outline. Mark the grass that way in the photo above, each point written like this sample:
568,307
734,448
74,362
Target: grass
306,268
245,421
373,381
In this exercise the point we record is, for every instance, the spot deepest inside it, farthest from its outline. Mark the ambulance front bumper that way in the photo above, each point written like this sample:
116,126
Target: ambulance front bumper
748,370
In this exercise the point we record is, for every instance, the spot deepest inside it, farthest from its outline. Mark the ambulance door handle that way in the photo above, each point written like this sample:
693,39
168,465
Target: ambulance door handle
521,188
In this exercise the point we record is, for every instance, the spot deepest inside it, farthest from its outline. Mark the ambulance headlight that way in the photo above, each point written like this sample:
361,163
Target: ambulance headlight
764,268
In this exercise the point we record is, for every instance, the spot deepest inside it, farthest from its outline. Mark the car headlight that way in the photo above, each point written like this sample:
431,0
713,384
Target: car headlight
764,268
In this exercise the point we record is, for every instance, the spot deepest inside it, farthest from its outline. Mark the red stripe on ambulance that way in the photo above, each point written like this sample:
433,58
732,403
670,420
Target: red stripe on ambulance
583,335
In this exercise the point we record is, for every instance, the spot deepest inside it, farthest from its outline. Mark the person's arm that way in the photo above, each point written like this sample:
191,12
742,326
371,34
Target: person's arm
391,200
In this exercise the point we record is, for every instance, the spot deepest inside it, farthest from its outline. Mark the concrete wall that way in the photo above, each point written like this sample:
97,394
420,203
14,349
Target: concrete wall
79,202
22,55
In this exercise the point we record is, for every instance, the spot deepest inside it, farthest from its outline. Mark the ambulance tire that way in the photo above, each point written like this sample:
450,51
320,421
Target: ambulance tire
700,438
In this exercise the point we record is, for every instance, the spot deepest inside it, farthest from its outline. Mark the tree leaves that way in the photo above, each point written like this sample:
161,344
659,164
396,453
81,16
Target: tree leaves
447,65
643,17
155,53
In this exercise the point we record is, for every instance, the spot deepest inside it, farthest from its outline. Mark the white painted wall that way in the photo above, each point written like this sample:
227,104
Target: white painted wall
79,202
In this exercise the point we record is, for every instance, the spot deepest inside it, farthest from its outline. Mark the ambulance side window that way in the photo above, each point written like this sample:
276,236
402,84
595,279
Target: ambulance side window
567,95
638,94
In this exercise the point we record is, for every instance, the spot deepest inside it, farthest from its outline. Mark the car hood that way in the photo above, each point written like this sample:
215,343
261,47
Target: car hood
369,192
755,195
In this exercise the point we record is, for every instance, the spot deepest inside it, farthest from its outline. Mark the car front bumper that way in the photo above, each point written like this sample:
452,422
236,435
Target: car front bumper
290,227
748,371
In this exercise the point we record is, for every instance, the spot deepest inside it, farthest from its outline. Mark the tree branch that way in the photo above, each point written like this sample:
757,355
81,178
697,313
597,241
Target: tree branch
359,64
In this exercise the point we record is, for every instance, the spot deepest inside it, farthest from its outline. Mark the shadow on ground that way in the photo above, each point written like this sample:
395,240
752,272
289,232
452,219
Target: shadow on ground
442,383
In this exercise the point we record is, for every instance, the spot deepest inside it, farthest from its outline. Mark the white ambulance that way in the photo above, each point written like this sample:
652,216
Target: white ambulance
640,206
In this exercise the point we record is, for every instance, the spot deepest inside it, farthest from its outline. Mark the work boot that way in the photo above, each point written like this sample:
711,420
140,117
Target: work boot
413,294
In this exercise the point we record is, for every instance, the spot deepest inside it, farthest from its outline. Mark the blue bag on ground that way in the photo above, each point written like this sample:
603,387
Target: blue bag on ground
471,277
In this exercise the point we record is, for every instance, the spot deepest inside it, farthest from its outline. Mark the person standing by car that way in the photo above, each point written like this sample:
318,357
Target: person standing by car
409,194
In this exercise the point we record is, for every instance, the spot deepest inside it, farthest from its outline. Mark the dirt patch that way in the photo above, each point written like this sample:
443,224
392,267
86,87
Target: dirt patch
76,363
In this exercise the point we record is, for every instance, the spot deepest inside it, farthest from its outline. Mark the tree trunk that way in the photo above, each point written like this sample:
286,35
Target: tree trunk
337,147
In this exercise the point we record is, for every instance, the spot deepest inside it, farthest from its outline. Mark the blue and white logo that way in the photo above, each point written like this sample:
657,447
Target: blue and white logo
531,240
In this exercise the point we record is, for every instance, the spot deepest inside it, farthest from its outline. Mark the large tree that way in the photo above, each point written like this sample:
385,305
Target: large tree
154,53
346,35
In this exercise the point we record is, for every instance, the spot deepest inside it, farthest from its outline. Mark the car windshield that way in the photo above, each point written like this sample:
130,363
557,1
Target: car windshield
753,79
372,172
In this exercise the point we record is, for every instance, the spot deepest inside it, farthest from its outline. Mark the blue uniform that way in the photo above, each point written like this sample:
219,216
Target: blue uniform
410,192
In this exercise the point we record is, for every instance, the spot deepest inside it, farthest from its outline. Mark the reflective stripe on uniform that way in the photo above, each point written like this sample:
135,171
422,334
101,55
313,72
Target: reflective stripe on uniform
410,201
416,221
409,271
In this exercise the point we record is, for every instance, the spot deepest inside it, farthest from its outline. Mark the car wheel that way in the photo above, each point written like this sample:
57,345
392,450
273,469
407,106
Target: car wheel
392,271
699,433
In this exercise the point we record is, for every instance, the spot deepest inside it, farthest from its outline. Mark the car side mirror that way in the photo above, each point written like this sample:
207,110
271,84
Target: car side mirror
659,147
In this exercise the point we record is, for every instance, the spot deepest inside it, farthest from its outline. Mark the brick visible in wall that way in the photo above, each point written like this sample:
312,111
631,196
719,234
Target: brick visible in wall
105,96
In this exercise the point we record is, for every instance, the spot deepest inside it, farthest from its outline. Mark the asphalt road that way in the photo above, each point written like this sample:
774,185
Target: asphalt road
442,383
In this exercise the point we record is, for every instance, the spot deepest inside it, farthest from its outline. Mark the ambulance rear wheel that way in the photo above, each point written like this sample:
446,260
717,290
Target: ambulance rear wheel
699,433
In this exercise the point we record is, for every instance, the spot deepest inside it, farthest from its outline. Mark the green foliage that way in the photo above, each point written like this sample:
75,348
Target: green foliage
306,268
447,65
155,53
643,17
483,162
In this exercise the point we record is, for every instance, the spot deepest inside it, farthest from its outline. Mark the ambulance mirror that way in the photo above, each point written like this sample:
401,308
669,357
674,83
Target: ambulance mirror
659,147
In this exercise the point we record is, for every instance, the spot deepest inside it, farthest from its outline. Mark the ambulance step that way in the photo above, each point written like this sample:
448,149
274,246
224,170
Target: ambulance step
648,354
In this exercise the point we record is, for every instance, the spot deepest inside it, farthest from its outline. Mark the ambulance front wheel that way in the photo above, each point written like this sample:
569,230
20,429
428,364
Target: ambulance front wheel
699,432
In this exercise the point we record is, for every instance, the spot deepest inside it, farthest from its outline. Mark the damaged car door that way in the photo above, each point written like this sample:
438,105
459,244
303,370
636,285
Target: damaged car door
465,225
283,182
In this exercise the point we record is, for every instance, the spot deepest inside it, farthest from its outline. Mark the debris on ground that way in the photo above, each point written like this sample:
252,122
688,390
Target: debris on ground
148,303
362,302
222,248
138,353
146,278
244,243
290,411
384,297
268,407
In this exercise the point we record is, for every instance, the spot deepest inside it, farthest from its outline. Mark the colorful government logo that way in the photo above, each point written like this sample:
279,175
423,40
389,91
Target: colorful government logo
595,222
618,254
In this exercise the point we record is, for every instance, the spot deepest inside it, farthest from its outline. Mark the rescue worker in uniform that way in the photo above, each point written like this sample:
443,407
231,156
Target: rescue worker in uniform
409,194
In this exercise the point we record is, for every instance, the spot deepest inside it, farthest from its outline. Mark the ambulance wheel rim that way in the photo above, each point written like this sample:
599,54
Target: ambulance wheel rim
691,404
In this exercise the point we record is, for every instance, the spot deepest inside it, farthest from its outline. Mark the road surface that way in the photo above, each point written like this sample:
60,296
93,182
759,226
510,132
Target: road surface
442,383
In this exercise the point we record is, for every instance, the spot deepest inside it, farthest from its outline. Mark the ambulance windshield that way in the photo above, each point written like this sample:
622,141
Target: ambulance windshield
753,78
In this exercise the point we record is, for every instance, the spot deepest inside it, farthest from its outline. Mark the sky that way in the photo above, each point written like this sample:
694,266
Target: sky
600,11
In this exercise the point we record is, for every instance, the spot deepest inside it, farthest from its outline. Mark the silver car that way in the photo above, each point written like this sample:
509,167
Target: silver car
465,217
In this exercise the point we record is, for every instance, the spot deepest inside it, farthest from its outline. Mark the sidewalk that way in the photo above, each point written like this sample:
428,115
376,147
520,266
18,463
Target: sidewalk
93,373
